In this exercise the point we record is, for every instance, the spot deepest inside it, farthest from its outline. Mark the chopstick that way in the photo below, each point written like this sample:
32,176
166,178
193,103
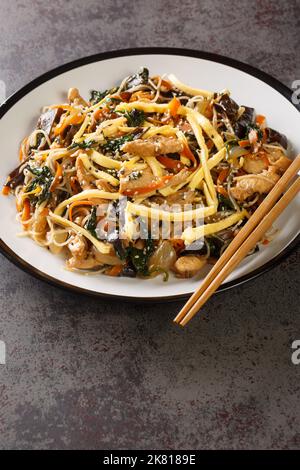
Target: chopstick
209,285
243,250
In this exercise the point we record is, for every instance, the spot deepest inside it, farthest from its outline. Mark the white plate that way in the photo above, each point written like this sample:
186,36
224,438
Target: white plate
248,86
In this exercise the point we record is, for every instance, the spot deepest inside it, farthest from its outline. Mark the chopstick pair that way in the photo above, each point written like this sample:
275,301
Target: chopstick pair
246,239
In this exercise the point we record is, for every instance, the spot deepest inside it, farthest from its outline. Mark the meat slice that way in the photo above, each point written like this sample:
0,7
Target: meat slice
258,162
78,246
75,98
131,181
282,164
278,159
248,185
47,119
254,164
179,178
153,146
189,265
180,198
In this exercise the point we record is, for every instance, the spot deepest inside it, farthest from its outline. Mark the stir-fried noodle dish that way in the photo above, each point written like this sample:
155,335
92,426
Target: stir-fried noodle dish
147,178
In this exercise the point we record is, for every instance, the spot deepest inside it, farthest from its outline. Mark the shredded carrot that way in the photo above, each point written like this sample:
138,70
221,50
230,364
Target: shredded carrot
223,175
221,178
264,135
186,152
178,244
45,211
244,143
160,183
57,177
174,105
66,107
97,114
170,162
26,212
72,119
222,191
78,203
265,242
114,270
5,190
260,119
164,83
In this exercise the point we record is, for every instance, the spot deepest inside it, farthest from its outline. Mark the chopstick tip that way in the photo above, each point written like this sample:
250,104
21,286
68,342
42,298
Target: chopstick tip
177,321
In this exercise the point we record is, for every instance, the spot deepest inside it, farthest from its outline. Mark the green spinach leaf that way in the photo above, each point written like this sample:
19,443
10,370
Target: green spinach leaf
139,78
82,145
138,257
43,179
113,145
97,96
91,223
224,203
135,117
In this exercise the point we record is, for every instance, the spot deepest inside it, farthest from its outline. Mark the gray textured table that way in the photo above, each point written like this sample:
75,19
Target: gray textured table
86,373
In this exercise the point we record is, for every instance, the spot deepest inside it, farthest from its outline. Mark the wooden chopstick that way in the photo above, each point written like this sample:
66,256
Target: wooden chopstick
244,249
255,219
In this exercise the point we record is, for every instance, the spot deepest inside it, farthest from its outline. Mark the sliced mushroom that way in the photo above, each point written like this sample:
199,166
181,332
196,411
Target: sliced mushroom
189,265
16,177
242,124
47,119
275,136
153,146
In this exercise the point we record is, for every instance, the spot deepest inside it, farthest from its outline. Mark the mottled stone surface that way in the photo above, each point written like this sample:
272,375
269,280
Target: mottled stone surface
86,373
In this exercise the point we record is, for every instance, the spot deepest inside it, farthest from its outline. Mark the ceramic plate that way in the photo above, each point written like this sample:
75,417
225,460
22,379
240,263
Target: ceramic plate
248,86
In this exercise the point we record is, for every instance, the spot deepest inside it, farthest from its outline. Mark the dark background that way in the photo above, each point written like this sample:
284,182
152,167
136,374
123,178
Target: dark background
86,373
